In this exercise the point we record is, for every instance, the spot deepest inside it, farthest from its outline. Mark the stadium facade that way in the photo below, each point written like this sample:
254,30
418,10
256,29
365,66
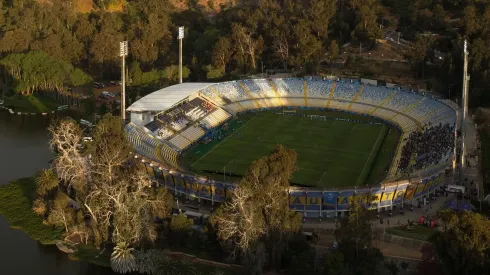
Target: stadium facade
167,122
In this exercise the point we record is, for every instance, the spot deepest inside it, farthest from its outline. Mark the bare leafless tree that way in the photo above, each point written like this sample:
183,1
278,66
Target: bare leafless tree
281,49
61,216
120,201
70,165
239,221
247,44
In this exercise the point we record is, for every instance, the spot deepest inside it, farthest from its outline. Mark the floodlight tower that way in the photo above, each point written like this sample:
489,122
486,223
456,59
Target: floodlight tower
180,37
464,105
123,52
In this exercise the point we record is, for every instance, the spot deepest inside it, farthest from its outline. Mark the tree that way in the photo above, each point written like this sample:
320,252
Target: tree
179,227
464,243
247,46
333,50
79,78
39,206
110,149
334,264
355,234
222,52
17,40
172,73
60,215
122,259
70,165
46,181
214,73
281,50
257,222
470,21
180,223
119,200
36,71
392,267
429,264
420,53
320,12
366,11
307,49
439,16
103,52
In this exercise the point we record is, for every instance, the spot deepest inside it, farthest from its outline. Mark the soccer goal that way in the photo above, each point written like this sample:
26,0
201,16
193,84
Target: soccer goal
289,111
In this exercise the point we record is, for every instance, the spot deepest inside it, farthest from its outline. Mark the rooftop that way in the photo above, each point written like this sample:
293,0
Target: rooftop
165,98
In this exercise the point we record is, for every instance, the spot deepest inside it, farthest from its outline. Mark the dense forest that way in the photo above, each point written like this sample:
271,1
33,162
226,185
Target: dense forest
56,44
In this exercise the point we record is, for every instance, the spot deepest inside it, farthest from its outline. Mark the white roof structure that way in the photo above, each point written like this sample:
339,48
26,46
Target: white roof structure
167,97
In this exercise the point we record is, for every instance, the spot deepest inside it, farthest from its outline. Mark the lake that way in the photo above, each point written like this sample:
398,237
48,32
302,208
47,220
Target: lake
23,152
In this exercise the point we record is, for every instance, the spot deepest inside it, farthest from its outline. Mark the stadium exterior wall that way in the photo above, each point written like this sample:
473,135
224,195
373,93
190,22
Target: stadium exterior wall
310,202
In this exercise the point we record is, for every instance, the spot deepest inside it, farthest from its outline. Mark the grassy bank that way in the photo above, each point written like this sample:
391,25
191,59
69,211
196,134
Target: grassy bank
418,232
15,206
91,255
31,103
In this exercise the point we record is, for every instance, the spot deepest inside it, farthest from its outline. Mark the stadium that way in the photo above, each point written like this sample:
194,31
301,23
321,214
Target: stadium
352,136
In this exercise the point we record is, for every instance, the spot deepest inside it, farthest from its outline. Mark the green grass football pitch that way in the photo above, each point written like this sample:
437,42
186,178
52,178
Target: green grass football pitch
330,153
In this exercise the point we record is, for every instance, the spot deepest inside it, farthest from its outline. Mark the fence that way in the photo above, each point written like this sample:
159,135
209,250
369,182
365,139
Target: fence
382,236
414,244
194,259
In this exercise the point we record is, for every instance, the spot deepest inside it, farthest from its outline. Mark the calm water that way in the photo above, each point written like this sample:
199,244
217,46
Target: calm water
23,151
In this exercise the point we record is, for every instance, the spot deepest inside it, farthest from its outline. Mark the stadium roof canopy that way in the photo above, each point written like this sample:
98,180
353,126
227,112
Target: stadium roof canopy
165,98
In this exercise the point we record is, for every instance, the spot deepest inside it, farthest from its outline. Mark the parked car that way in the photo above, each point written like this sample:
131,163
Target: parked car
105,97
106,93
98,85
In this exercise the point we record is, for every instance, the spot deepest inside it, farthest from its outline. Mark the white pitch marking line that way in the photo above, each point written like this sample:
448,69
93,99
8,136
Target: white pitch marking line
322,177
223,140
374,146
353,127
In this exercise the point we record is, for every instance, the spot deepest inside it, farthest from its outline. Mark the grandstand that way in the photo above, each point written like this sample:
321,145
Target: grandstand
167,123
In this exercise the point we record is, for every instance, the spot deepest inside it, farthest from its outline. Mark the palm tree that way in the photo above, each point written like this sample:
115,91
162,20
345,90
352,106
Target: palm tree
218,272
46,180
186,267
167,266
122,258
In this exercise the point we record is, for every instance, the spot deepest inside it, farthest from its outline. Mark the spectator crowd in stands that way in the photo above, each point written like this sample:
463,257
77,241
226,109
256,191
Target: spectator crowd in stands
427,147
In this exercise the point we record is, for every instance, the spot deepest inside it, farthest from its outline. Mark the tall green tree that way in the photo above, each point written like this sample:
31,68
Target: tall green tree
420,53
354,234
463,245
257,222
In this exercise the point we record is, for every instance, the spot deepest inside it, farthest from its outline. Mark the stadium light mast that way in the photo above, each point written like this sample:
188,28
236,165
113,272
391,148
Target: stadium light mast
464,105
180,37
123,52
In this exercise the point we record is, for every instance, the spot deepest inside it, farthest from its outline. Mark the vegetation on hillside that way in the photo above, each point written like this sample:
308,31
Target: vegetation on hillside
244,37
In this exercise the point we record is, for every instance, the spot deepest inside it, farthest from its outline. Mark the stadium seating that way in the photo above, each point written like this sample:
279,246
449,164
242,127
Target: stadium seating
346,91
187,137
427,123
427,147
215,118
319,89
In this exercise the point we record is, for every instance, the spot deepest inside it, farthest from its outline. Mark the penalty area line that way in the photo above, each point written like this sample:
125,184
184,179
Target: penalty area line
322,177
223,140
